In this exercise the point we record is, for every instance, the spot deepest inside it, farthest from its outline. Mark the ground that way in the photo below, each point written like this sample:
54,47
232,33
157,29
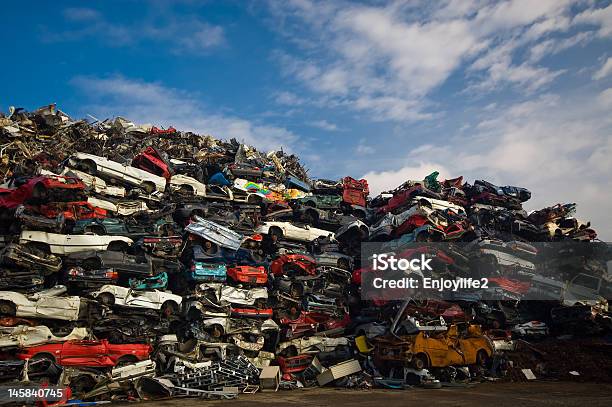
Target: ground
484,394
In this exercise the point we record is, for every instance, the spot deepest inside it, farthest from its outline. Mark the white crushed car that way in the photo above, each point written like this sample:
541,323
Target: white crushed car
95,165
43,304
165,302
97,184
66,244
187,185
313,344
438,204
303,233
225,294
22,335
123,207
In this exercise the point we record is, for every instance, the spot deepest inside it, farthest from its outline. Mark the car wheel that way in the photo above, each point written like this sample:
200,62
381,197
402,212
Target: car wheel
118,246
61,331
185,190
148,187
107,299
274,231
88,167
216,331
343,264
43,356
169,308
8,308
420,361
482,358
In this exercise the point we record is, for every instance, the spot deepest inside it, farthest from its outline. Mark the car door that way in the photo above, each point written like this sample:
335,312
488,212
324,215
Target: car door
83,353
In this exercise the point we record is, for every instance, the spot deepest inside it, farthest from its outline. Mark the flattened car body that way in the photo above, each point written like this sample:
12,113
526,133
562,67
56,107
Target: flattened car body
43,304
66,244
22,336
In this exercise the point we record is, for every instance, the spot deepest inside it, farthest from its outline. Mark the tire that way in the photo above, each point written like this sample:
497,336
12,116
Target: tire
169,308
274,231
296,290
216,331
126,360
290,351
148,187
425,203
482,358
420,361
8,308
344,264
61,331
186,190
118,246
43,356
88,167
106,299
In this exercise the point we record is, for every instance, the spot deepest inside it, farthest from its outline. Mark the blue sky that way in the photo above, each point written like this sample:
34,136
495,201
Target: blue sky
517,92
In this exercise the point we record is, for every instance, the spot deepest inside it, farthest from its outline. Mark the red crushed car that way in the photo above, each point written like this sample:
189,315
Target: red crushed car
294,364
403,198
158,131
265,313
355,192
311,322
248,275
437,308
47,188
70,210
151,161
88,353
294,263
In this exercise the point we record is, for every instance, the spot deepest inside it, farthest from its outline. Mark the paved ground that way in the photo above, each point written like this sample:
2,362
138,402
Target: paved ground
485,395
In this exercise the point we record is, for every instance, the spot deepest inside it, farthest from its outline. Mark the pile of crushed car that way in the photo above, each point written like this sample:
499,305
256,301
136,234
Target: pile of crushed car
138,262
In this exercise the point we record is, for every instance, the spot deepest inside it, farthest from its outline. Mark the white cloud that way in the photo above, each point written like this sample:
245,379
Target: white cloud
363,148
145,102
601,17
288,98
605,70
554,46
605,98
324,125
388,58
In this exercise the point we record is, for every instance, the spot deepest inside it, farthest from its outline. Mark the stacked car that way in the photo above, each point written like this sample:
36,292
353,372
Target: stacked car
134,251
